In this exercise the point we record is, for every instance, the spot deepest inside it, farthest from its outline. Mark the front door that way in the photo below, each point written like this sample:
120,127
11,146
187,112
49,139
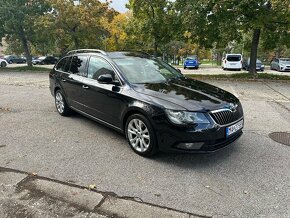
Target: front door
103,101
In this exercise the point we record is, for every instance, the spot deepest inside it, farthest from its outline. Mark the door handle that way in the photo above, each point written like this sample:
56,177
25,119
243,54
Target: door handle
85,87
63,80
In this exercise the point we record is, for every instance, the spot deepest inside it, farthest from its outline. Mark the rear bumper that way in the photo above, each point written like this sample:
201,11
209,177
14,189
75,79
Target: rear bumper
191,65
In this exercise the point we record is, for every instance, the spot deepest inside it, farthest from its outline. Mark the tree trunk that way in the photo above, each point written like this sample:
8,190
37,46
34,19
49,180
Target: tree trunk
219,58
155,48
25,46
254,51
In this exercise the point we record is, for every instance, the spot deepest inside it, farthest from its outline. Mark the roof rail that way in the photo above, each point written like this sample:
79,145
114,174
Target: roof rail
87,51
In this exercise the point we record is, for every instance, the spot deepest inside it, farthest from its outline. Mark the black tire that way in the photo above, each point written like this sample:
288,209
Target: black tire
152,147
3,64
184,67
62,110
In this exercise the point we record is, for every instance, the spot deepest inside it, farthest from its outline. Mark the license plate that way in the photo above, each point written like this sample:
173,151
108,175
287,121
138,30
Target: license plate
234,128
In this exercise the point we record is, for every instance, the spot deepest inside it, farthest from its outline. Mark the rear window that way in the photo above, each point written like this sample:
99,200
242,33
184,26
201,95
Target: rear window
234,58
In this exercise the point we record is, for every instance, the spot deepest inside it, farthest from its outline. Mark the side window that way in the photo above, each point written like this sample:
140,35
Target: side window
99,67
78,65
60,65
67,65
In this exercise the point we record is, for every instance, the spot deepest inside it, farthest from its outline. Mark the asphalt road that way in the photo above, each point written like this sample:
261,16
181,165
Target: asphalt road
250,178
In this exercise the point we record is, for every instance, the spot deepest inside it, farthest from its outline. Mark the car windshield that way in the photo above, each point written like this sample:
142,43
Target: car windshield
141,70
285,61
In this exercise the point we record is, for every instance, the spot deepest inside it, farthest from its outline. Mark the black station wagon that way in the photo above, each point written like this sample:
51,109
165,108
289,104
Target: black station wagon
152,103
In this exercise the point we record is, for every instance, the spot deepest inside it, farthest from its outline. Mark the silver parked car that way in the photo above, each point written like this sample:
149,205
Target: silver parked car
3,62
281,64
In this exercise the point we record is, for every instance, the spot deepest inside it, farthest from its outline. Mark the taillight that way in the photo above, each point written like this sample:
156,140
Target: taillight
225,61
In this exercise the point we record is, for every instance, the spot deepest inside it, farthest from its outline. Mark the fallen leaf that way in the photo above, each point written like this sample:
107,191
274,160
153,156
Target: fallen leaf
92,186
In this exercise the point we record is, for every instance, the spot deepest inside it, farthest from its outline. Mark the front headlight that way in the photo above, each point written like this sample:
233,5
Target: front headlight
186,117
282,65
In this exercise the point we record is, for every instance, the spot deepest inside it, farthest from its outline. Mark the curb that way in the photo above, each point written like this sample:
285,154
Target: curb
87,199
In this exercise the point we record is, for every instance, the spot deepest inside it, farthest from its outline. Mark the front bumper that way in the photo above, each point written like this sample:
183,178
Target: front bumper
204,138
285,68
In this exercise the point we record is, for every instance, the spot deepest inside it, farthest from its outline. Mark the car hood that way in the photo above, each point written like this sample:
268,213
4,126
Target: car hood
188,94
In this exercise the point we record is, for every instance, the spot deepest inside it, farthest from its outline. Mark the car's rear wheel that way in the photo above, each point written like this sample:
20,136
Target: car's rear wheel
140,135
3,64
60,104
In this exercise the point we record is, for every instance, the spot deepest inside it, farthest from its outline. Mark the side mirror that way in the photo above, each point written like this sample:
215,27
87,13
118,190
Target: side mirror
105,78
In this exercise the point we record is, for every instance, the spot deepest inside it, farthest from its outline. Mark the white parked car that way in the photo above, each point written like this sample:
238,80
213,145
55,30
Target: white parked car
232,62
3,63
281,64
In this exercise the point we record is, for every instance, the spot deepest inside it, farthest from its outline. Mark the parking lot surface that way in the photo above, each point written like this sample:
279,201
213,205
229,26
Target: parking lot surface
250,178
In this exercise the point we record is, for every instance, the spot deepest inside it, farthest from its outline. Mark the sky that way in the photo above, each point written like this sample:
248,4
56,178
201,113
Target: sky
119,5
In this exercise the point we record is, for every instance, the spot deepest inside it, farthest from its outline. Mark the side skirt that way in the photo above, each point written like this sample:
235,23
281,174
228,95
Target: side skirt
98,120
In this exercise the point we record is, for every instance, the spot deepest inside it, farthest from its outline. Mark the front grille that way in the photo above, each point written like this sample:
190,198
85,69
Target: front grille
226,116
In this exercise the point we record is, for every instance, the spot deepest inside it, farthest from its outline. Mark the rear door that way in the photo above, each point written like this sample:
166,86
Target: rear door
234,61
72,80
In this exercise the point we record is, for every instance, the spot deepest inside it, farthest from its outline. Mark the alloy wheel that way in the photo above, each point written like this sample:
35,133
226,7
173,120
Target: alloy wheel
138,135
59,102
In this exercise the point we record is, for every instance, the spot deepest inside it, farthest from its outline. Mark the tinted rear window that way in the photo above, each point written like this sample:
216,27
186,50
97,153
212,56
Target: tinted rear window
234,58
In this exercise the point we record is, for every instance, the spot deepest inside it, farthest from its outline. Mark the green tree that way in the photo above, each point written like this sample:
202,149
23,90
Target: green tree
217,22
79,25
17,19
153,20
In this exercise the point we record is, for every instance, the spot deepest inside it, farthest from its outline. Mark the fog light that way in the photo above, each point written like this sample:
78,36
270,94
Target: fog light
190,146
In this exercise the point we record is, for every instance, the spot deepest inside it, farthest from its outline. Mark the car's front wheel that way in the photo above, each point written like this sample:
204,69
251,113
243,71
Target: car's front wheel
3,64
140,135
60,104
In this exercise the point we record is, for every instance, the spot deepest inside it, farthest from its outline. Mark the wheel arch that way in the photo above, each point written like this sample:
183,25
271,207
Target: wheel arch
131,111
